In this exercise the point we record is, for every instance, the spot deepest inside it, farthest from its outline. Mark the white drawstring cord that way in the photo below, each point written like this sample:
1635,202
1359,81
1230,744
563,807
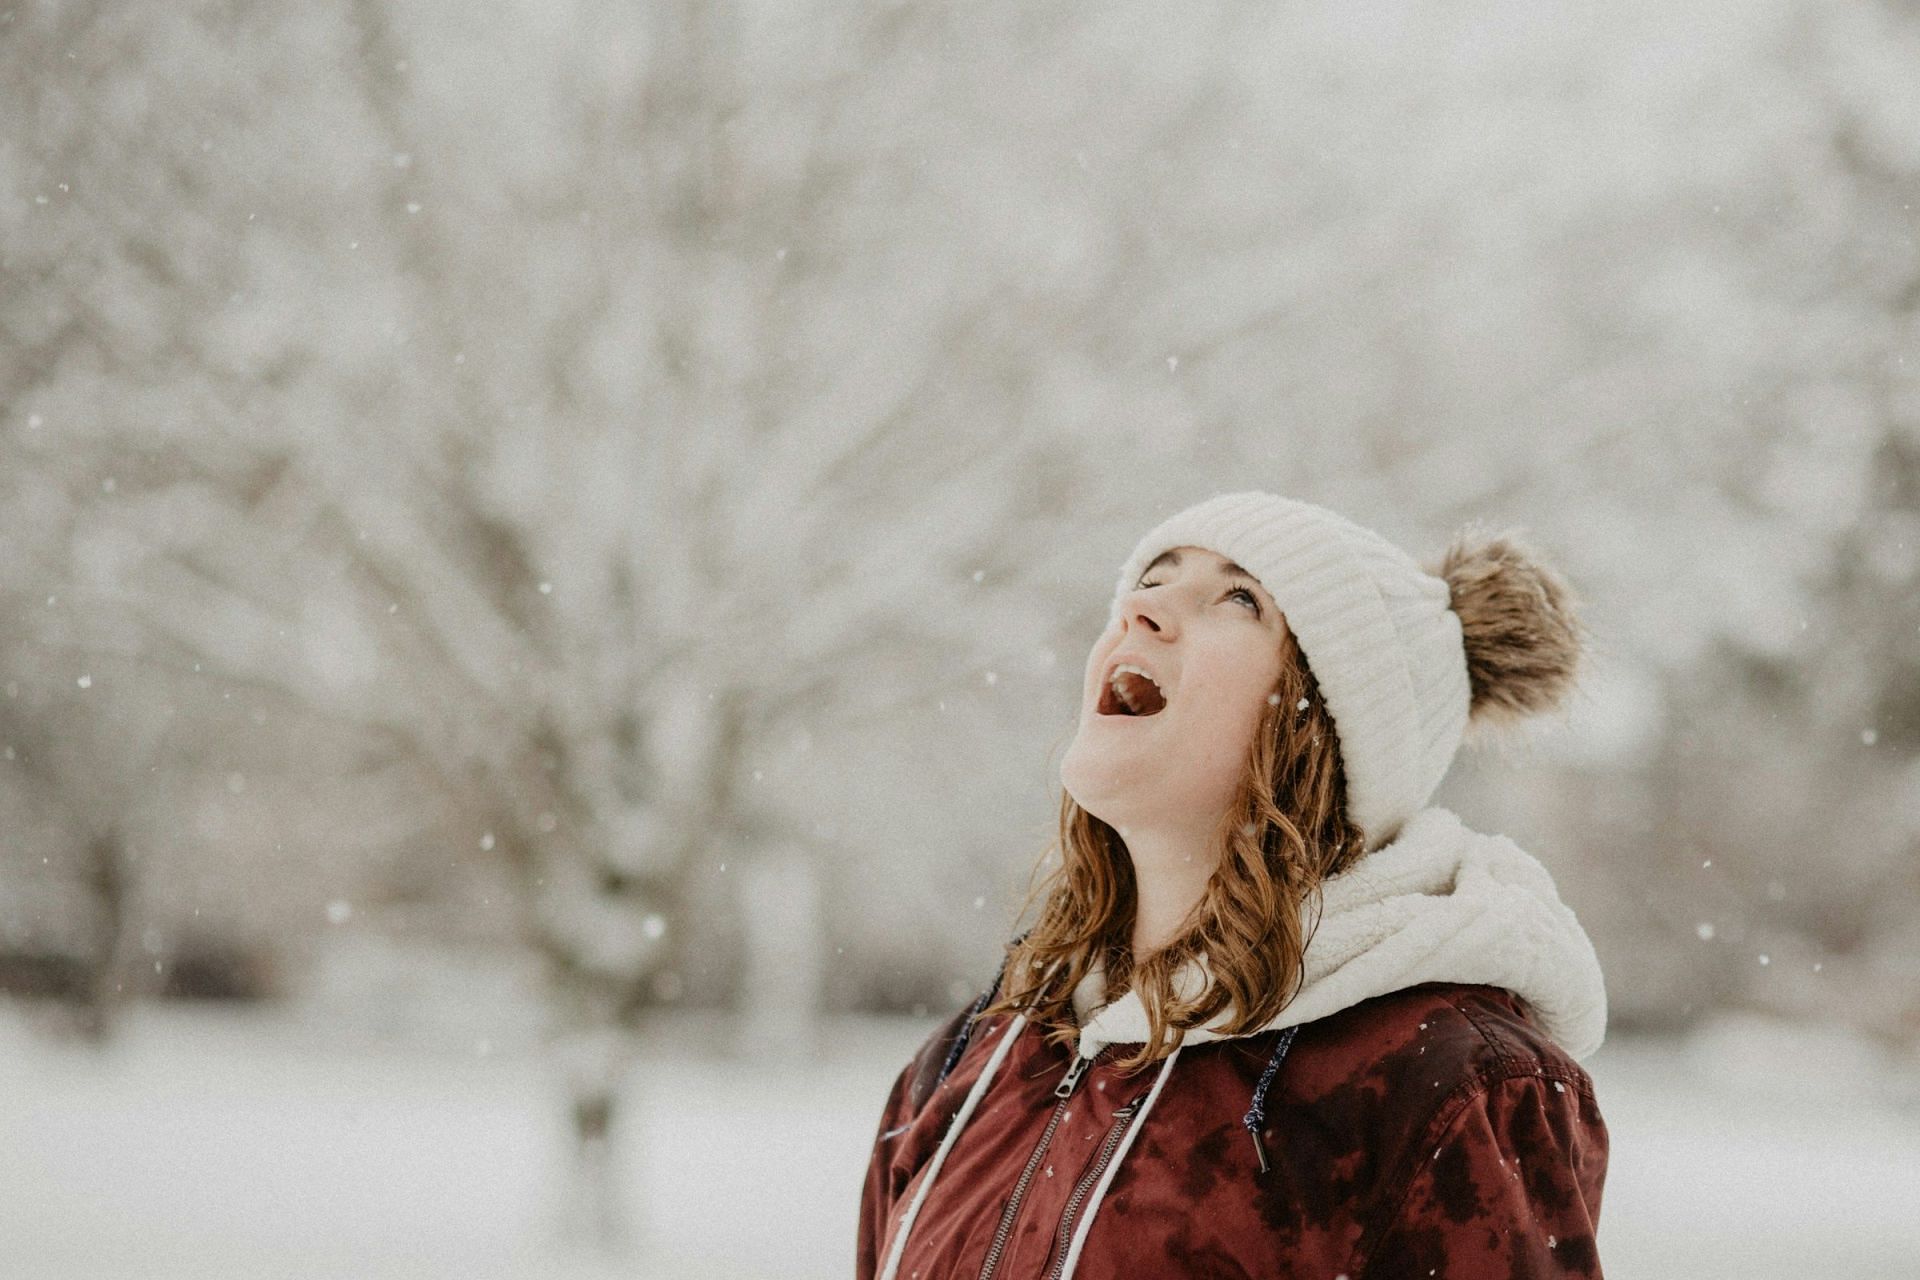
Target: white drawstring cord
946,1144
1113,1166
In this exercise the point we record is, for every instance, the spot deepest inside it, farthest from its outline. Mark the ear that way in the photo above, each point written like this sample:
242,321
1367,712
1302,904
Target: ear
1518,622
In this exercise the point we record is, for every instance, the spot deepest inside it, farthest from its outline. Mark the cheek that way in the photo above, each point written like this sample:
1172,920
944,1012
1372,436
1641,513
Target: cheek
1233,706
1214,747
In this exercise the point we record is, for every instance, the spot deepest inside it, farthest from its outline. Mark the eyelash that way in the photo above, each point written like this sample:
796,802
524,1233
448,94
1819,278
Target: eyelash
1242,591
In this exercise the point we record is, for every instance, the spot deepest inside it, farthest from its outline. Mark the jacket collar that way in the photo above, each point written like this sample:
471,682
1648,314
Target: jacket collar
1439,903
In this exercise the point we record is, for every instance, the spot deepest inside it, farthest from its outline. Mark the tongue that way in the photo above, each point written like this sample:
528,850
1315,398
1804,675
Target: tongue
1143,694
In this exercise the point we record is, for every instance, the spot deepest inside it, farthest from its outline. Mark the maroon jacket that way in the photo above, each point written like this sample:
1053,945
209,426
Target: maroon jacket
1431,1131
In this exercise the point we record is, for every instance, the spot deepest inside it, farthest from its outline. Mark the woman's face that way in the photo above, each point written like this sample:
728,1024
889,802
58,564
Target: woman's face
1210,636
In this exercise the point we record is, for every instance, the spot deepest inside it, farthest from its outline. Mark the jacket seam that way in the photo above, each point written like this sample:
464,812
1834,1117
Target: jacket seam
1514,1064
1449,1110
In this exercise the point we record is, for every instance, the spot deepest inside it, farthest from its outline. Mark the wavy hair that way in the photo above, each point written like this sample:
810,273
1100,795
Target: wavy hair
1285,832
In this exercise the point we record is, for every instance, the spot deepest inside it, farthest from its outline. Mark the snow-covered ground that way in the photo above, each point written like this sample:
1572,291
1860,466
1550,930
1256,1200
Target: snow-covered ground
208,1144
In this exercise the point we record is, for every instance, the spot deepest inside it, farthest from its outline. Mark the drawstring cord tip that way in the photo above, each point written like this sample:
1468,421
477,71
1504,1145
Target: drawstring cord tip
1257,1114
1259,1149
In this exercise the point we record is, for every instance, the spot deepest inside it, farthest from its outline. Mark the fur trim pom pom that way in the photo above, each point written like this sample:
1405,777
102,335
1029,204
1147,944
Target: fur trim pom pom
1517,622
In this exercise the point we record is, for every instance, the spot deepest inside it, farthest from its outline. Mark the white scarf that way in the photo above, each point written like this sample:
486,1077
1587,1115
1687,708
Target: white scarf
1439,903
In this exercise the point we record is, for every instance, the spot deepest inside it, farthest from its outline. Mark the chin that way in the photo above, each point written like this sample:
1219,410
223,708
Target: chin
1100,786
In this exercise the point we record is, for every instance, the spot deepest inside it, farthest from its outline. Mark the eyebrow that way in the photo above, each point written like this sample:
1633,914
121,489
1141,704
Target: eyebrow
1231,569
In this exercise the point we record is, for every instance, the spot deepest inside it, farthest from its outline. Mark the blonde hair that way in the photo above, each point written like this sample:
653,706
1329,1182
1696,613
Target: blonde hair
1285,832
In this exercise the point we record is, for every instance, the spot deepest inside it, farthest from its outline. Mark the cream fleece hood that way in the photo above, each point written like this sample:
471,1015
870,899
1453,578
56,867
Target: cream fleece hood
1438,903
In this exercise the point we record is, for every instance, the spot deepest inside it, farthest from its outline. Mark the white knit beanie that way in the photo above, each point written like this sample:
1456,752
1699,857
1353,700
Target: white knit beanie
1377,630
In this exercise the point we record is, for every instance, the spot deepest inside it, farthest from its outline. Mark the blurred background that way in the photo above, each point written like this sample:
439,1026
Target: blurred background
549,552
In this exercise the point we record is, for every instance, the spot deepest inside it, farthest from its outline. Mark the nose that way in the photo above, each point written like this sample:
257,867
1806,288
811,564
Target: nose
1153,610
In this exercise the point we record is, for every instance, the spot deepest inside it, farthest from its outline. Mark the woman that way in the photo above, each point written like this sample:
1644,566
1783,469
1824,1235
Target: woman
1375,1012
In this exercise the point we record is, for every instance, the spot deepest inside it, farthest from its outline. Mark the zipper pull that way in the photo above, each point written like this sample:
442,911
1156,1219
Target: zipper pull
1066,1086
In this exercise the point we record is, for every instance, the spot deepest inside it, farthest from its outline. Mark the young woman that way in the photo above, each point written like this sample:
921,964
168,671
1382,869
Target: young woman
1278,1016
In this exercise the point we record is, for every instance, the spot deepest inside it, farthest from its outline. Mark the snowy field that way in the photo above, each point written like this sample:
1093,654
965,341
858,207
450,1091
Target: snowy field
207,1144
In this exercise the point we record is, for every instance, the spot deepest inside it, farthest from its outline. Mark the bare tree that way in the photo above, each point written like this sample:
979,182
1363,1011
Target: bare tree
572,594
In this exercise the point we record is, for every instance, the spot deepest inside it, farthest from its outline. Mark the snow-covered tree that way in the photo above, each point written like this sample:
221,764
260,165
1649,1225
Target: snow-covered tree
586,454
503,464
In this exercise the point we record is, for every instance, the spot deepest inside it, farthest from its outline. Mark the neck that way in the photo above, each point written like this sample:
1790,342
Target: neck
1170,873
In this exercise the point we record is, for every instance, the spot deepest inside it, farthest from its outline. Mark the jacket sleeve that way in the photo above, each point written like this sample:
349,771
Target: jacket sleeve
1508,1183
898,1151
877,1194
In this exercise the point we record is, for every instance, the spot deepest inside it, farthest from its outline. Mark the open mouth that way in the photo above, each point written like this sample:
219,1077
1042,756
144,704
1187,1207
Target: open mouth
1129,691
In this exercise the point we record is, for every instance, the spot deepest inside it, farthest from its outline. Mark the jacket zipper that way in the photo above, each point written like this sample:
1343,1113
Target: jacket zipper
1064,1092
1121,1118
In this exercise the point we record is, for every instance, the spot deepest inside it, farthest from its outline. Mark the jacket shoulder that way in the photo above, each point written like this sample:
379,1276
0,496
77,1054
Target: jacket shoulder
1510,1040
1466,1035
938,1054
941,1051
1508,1161
1395,1067
924,1070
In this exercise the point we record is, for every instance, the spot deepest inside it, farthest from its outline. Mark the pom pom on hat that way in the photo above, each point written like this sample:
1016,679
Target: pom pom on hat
1518,625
